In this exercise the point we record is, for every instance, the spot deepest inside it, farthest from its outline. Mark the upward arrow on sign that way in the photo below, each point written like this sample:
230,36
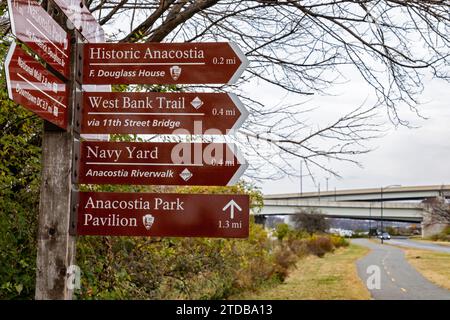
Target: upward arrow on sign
163,63
232,205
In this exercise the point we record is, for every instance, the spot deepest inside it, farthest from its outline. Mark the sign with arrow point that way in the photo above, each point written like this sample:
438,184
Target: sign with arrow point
161,113
163,63
160,163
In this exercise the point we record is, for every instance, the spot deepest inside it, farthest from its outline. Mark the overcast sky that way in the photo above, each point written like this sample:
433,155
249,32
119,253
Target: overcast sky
403,156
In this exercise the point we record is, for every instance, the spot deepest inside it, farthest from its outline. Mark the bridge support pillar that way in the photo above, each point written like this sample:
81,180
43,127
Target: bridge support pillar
436,216
260,219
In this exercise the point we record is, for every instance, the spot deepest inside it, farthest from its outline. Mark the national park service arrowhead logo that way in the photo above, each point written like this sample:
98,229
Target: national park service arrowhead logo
148,220
175,72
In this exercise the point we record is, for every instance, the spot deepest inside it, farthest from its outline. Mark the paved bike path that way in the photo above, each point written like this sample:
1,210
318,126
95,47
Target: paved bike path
419,245
398,279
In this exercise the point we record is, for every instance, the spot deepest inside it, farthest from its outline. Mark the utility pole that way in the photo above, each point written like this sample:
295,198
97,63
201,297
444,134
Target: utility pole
55,244
370,218
381,197
301,177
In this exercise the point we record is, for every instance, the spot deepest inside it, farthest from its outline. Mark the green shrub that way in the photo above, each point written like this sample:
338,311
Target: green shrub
282,230
175,268
338,241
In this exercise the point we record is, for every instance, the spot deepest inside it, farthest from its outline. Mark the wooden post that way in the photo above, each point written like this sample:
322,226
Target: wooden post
55,247
55,243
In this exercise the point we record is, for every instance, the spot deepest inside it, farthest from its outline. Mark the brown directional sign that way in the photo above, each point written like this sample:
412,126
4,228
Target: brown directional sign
36,28
162,63
161,113
82,19
163,215
159,163
35,88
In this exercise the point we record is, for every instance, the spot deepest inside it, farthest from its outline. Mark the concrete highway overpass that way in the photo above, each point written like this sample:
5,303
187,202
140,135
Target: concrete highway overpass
402,204
399,203
407,193
405,212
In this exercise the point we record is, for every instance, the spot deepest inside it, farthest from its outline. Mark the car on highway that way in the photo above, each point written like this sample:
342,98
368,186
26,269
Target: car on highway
384,236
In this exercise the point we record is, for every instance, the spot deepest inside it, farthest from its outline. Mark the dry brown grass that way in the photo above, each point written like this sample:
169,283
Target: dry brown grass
442,243
435,266
333,277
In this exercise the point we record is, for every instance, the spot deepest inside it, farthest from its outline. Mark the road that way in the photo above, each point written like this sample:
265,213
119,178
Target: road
398,279
418,245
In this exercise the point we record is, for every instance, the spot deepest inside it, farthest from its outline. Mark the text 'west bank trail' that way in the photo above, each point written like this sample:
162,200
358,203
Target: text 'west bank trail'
161,113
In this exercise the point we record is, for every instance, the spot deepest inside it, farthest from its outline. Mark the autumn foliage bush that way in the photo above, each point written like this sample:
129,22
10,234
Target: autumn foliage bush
192,268
174,268
320,245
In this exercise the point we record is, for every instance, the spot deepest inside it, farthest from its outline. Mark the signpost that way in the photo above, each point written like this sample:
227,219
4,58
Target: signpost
81,19
32,25
161,113
159,163
163,215
35,88
162,63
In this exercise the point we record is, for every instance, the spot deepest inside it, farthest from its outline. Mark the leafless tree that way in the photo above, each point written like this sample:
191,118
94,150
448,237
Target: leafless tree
310,221
303,47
